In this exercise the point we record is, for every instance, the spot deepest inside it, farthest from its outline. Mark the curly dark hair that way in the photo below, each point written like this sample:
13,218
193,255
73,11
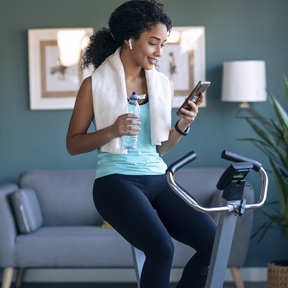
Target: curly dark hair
130,19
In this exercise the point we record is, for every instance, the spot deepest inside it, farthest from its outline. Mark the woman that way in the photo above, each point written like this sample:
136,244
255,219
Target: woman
130,190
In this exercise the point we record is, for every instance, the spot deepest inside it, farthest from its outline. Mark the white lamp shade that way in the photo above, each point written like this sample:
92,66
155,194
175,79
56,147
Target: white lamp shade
244,81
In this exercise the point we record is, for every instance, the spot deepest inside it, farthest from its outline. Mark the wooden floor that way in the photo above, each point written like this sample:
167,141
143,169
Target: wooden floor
120,285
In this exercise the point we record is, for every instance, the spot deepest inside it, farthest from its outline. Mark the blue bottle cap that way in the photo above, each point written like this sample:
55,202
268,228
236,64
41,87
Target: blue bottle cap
133,96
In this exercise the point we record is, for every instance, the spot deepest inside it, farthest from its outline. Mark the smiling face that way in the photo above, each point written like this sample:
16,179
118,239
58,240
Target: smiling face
149,47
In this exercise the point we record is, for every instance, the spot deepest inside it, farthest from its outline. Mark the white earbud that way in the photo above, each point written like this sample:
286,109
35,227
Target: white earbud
130,43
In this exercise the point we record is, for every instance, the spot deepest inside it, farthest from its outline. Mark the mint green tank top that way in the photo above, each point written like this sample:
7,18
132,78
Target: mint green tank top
145,160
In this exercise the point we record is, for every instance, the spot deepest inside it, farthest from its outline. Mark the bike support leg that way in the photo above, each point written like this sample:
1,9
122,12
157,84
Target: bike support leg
138,259
221,249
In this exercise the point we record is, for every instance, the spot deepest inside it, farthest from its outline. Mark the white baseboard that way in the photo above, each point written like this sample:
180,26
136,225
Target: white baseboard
120,275
249,275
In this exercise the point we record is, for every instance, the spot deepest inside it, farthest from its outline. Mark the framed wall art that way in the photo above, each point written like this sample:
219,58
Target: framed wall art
55,73
183,61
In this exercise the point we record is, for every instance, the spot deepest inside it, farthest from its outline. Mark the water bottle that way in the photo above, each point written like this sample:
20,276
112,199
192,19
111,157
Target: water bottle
130,142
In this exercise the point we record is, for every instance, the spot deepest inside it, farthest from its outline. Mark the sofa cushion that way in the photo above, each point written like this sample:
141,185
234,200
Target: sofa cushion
27,210
67,246
85,246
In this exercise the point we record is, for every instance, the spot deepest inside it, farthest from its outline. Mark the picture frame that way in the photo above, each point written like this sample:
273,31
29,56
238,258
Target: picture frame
183,61
53,80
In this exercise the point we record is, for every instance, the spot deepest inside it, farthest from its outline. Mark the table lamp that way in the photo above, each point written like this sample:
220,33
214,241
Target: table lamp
244,81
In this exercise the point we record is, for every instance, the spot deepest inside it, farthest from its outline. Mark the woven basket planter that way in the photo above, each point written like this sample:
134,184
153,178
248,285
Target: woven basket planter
277,274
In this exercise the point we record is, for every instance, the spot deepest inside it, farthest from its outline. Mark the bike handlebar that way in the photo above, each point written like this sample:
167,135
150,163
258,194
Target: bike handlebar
238,158
231,206
182,162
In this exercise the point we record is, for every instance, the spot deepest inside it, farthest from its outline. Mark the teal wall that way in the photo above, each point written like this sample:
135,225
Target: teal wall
235,30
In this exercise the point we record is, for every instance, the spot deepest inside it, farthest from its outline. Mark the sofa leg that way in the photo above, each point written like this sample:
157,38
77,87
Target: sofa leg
237,276
19,277
7,277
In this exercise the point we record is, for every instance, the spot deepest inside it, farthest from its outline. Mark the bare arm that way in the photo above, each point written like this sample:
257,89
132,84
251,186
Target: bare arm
78,140
185,121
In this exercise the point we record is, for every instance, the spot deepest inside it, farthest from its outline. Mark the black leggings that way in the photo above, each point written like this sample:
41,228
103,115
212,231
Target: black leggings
128,203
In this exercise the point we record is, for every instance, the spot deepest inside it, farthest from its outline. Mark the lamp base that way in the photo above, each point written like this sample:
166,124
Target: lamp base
244,105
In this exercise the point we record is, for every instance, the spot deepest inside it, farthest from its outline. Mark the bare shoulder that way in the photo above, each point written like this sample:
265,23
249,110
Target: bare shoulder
86,88
87,81
84,101
83,110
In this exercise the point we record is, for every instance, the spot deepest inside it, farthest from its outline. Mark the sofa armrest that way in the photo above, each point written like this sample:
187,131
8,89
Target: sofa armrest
8,228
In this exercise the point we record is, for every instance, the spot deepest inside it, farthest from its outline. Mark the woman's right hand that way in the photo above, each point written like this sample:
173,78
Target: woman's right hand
122,125
78,140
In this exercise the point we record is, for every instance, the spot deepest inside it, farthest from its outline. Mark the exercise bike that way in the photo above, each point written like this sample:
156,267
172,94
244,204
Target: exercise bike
232,182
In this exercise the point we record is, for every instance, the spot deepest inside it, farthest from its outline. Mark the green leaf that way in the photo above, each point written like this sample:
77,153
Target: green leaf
278,212
272,203
280,112
267,124
286,85
265,228
284,160
261,133
273,217
269,144
282,191
270,153
284,174
285,230
285,134
277,127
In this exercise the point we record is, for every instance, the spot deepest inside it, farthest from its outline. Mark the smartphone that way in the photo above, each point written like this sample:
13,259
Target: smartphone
194,95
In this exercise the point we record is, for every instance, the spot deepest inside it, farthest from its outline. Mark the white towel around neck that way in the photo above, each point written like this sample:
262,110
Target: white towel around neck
110,100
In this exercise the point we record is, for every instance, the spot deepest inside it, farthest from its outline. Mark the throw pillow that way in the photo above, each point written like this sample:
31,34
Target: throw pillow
27,210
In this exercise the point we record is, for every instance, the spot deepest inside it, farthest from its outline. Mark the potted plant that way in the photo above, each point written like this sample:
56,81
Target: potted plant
273,142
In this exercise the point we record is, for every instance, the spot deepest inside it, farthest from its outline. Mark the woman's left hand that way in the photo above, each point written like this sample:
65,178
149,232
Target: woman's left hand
189,116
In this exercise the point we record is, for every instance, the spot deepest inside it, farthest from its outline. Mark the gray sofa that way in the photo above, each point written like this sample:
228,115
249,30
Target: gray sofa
48,219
